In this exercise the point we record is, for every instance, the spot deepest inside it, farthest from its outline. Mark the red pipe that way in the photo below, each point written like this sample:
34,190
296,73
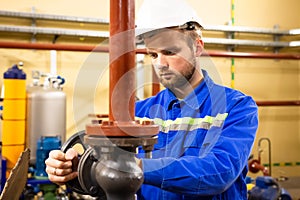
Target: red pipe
253,55
91,48
278,103
49,46
85,48
122,60
155,83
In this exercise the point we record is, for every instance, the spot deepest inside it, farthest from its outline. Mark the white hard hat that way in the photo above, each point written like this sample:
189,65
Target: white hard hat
158,14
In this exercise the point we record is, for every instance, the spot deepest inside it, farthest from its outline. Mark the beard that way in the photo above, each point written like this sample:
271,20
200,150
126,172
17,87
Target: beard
174,79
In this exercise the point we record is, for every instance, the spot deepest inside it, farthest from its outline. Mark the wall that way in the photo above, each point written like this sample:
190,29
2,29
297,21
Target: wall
264,79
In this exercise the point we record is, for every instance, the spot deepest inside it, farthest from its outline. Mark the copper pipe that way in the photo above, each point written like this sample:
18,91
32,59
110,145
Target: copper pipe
278,103
50,46
92,48
155,83
269,151
253,55
122,60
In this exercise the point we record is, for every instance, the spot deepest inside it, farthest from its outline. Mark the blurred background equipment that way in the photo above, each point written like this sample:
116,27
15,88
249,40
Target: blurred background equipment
267,188
33,117
44,145
255,165
14,114
46,111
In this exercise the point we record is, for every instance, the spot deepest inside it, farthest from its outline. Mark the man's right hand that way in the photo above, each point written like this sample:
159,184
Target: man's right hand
59,166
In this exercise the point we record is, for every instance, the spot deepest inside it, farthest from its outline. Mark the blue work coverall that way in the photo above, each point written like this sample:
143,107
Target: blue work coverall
203,144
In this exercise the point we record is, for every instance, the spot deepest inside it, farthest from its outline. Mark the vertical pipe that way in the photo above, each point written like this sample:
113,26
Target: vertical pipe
155,83
53,62
232,69
232,12
122,60
269,151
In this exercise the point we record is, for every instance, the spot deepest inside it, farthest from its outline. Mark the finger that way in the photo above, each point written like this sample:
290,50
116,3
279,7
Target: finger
54,163
62,179
63,172
71,154
57,154
58,171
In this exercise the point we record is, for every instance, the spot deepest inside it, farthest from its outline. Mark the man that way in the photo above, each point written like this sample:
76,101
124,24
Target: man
206,130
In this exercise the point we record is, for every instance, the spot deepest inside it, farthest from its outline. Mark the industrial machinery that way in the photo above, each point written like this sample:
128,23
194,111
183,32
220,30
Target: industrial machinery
14,114
44,145
46,111
33,116
267,188
45,129
107,168
255,165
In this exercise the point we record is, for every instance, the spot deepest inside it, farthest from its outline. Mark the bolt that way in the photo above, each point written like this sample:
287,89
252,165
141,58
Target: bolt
96,121
93,189
148,122
92,157
107,123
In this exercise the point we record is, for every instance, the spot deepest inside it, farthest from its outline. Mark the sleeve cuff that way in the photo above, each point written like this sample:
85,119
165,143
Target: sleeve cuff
153,171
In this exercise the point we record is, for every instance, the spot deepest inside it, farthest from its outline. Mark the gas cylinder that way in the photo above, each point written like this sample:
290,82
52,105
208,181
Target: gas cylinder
46,111
14,114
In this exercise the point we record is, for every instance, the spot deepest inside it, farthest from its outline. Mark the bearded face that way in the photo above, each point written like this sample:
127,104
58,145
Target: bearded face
173,58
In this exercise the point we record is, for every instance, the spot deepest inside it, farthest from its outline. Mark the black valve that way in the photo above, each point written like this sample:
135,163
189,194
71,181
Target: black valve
85,183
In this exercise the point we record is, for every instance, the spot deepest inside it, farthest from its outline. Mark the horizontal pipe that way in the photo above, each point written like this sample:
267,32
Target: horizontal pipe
245,29
105,34
278,103
259,103
54,31
28,15
220,28
292,56
49,46
238,42
91,48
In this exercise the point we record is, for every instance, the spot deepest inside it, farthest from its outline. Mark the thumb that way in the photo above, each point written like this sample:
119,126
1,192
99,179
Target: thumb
71,154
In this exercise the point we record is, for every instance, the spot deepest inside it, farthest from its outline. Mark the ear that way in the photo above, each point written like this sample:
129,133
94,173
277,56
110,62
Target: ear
199,46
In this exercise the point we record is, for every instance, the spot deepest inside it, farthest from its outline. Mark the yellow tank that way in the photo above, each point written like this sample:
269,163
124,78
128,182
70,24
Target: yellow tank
13,126
15,109
14,115
14,88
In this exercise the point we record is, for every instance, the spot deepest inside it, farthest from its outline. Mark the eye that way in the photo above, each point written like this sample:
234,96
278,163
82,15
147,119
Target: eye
152,54
168,52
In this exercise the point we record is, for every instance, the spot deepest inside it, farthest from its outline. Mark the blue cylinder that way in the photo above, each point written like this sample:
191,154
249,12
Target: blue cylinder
44,146
14,73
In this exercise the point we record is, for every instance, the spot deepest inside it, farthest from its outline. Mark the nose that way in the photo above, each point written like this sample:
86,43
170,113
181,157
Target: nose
161,62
